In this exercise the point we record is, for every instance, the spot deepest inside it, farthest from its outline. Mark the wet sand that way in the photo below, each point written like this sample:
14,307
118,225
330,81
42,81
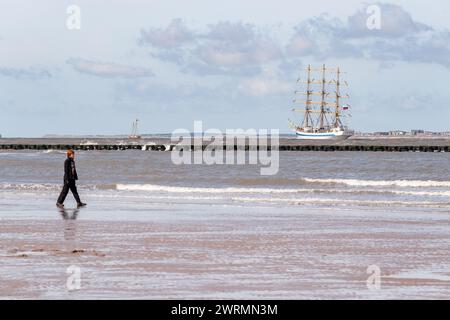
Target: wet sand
192,251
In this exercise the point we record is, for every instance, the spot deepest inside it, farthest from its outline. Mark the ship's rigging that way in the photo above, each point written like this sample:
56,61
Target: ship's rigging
323,114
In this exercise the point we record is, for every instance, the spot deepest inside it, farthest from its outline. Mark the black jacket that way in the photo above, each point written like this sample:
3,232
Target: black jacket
70,172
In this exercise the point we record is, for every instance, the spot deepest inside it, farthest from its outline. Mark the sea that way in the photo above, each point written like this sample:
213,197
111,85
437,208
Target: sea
312,179
327,225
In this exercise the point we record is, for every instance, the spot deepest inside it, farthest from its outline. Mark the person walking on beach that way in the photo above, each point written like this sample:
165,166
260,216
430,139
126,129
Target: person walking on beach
70,176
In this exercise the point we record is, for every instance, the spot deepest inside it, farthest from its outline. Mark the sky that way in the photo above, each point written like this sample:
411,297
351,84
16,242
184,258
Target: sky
95,67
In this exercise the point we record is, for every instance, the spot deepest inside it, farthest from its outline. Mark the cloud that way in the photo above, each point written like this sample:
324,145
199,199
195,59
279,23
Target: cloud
321,37
225,47
244,49
235,44
417,101
108,70
173,36
240,52
268,83
21,73
395,22
165,94
400,38
223,96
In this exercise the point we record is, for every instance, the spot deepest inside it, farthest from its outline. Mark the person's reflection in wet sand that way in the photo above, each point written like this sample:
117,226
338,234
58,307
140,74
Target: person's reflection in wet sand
69,214
70,224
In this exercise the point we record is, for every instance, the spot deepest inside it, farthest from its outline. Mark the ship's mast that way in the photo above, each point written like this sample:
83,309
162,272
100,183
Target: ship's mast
337,113
134,129
323,102
308,100
338,95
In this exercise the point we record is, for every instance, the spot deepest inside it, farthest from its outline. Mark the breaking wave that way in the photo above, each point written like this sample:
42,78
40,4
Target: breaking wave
381,183
51,186
234,190
256,190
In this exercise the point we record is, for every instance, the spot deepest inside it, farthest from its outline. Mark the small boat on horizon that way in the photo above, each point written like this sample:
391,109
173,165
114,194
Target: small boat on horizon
322,118
134,131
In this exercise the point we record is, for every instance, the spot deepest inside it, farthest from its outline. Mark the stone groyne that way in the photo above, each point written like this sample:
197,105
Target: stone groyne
285,144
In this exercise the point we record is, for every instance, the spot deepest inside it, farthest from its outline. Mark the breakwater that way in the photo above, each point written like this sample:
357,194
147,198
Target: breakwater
285,144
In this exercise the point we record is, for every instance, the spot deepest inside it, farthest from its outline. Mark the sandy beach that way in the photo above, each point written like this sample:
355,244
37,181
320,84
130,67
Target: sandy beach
164,251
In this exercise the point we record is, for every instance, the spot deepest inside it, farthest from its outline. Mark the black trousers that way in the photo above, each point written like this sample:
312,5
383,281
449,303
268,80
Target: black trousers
70,185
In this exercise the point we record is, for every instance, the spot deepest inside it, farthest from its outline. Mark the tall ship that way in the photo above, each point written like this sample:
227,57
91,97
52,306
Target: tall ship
322,106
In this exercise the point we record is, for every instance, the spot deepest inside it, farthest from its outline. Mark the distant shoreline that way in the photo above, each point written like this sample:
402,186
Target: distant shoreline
357,135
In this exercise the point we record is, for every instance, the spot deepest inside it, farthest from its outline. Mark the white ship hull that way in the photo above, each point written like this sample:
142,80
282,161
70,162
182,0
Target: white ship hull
331,135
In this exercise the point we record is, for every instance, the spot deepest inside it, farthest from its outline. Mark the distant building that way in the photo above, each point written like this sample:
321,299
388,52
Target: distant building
417,132
398,133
